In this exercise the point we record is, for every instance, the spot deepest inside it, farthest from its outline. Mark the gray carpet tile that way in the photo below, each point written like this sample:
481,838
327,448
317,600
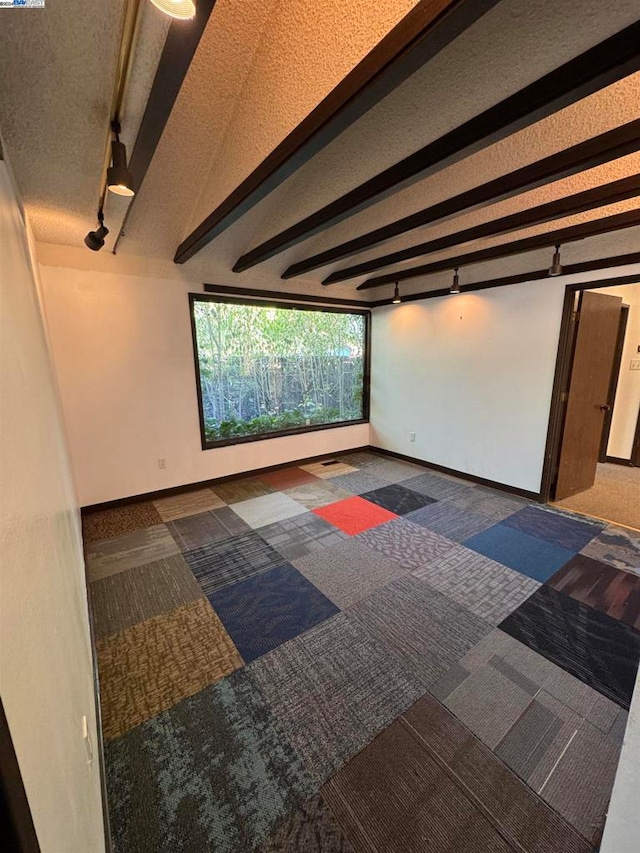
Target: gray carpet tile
450,521
530,712
333,689
410,545
488,589
215,772
348,572
318,493
126,598
311,829
302,535
129,551
193,531
243,489
435,486
393,470
223,563
361,458
359,482
424,628
618,546
488,502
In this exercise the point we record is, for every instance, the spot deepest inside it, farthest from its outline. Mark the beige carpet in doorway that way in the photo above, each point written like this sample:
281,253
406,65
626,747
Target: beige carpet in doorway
615,496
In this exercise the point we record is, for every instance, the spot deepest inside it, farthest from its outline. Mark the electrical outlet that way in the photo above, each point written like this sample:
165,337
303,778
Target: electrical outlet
162,463
635,364
412,436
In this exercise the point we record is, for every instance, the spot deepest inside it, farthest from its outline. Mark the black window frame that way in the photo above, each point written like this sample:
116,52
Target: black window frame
292,305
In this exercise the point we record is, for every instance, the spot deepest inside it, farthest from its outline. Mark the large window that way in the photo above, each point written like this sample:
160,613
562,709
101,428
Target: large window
267,369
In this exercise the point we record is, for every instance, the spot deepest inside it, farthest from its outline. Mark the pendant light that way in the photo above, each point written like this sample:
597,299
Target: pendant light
95,239
396,296
181,9
119,178
455,287
556,266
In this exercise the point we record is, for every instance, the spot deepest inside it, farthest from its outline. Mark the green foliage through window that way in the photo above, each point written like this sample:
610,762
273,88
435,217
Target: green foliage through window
264,369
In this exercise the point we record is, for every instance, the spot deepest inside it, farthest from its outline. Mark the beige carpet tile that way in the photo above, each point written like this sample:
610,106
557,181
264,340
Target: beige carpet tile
151,666
328,468
126,598
242,490
318,493
615,496
267,509
188,503
129,551
115,522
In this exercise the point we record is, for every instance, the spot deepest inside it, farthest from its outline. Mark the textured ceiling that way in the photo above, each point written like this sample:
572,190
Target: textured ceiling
261,66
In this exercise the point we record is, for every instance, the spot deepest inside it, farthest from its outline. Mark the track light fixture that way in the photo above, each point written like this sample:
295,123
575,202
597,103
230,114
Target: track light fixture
455,287
95,239
181,9
119,178
396,295
556,266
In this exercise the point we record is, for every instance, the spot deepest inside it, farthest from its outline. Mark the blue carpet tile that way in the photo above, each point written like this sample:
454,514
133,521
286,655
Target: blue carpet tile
526,554
553,527
602,652
264,611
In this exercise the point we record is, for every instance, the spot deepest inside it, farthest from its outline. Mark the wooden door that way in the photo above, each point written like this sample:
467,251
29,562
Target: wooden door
587,403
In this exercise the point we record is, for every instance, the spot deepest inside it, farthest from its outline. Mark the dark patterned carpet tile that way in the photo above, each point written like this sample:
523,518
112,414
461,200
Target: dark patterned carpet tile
618,546
600,585
354,515
597,649
397,499
497,505
530,712
318,493
193,502
287,478
529,555
333,689
437,487
215,772
155,664
554,527
348,572
359,482
424,629
450,521
311,829
426,783
126,598
407,544
243,489
264,611
488,589
222,563
302,535
194,531
129,551
108,523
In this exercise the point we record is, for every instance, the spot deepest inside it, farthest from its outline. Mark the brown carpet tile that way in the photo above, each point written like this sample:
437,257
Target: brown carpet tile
426,784
115,522
188,503
288,478
235,491
311,829
126,598
328,468
153,665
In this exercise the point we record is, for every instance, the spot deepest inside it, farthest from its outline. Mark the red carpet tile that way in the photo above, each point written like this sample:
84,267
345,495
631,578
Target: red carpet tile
354,515
287,478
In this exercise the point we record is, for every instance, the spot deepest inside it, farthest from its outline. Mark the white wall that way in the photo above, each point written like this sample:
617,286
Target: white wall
124,357
45,657
472,376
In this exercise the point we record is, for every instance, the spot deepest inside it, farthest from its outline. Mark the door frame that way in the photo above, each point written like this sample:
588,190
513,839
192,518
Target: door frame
613,390
562,376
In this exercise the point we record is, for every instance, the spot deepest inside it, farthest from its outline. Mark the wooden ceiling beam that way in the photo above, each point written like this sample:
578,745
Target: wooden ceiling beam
567,206
562,236
428,28
601,149
600,66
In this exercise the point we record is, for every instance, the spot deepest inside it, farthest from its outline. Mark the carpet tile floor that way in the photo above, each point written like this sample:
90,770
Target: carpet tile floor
360,654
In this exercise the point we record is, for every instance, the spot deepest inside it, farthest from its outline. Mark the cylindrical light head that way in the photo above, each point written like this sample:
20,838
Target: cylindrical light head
95,239
455,287
396,295
181,9
119,178
556,266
